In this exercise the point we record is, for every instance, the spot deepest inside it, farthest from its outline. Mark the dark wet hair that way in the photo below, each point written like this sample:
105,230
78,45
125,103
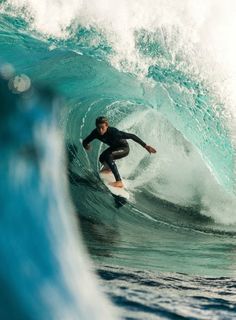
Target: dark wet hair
101,120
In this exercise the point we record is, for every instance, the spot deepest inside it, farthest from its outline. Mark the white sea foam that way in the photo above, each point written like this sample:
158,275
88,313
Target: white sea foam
177,173
206,29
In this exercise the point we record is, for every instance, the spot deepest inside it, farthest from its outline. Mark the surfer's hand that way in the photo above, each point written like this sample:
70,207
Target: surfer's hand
87,147
150,149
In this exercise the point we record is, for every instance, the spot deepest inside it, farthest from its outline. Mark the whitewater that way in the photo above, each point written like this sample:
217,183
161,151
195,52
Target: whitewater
163,70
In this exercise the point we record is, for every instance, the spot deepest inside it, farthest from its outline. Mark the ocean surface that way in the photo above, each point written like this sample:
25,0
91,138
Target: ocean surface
162,70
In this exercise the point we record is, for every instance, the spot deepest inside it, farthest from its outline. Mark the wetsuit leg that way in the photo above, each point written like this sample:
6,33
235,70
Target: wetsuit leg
111,154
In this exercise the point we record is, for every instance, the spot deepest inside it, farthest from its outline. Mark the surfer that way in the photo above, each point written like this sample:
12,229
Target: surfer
118,146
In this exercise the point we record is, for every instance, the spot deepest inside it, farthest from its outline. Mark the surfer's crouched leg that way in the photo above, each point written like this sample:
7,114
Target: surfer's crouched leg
109,155
105,168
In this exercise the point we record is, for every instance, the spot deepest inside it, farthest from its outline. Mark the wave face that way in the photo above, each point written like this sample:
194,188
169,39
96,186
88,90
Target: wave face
40,275
154,72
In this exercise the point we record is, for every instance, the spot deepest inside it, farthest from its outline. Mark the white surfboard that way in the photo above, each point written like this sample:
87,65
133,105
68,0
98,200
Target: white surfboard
108,178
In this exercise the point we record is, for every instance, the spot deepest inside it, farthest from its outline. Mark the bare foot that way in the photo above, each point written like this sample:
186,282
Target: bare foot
117,184
105,170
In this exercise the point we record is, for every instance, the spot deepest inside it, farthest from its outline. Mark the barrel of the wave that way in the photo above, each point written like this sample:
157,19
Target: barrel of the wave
44,268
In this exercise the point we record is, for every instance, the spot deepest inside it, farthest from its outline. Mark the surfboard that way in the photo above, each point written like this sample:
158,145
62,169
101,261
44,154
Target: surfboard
109,177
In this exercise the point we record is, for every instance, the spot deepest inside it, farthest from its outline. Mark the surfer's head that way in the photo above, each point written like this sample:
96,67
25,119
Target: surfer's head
102,125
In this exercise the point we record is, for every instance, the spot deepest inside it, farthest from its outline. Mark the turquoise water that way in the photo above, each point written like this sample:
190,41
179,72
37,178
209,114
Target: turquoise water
180,221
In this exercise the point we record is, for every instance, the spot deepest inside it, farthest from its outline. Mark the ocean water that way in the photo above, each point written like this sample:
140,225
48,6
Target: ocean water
165,71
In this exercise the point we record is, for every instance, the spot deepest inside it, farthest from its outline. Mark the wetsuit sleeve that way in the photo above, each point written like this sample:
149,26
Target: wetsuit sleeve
126,135
89,138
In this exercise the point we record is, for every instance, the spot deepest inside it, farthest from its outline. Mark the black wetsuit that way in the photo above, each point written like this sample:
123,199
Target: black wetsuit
118,146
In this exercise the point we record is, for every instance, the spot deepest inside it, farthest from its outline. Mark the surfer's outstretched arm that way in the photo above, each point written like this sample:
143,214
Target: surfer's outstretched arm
126,135
89,138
